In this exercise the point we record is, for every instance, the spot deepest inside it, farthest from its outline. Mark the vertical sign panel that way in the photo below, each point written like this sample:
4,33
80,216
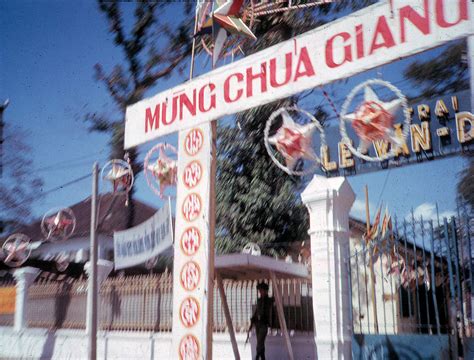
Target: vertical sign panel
194,245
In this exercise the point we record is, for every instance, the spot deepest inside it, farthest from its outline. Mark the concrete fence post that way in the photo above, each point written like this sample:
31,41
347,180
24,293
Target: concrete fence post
24,278
329,201
104,267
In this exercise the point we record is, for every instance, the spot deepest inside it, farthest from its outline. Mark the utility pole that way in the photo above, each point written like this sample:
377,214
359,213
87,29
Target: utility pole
92,288
2,109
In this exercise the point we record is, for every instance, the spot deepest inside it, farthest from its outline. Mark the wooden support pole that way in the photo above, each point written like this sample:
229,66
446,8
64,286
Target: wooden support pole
228,318
281,315
367,210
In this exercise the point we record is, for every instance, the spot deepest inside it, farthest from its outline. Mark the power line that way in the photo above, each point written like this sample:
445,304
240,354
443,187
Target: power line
66,184
65,162
55,189
69,166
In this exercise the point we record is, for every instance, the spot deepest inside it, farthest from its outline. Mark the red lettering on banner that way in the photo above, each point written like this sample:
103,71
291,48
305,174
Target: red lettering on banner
421,22
359,41
382,29
152,120
190,240
329,50
440,19
262,75
227,98
203,94
417,22
305,61
273,71
193,142
189,348
185,102
192,174
164,111
190,276
192,206
189,312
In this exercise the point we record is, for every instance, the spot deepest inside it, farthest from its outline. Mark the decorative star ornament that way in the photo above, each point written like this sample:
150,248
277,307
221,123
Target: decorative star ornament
17,250
293,141
119,177
165,171
222,21
161,171
373,120
58,224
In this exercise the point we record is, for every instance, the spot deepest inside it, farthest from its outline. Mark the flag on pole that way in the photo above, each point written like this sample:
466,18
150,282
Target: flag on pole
385,223
374,230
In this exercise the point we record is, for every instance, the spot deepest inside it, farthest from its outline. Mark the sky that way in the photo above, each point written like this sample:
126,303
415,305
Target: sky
49,49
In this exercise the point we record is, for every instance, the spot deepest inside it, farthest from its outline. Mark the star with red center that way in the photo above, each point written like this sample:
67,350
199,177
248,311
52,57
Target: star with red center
223,20
165,171
119,176
373,120
58,224
293,141
16,252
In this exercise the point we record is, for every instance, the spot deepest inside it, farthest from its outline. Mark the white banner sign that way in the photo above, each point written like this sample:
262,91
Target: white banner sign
136,245
193,250
374,36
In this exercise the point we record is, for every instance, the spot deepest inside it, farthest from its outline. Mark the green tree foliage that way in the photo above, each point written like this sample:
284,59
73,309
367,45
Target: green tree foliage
154,46
441,75
256,201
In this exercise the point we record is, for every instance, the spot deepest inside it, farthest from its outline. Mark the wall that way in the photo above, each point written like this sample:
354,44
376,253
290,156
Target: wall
72,344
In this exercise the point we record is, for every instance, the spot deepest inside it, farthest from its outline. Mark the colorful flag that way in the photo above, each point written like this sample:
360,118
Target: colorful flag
385,223
374,230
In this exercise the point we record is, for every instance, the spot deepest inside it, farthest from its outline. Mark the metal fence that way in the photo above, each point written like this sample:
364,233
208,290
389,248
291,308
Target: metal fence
145,303
416,278
6,317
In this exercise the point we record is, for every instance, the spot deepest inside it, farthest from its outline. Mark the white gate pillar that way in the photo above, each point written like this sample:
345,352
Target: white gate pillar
328,201
24,278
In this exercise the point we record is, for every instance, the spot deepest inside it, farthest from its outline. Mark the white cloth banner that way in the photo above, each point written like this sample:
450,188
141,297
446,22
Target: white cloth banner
136,245
371,37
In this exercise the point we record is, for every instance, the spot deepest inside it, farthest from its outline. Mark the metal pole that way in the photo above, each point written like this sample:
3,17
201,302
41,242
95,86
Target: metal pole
2,109
92,288
470,60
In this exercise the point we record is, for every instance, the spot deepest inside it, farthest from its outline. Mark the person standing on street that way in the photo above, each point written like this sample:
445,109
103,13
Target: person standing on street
261,318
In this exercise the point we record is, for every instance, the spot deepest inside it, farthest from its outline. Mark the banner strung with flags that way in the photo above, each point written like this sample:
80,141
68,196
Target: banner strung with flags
136,245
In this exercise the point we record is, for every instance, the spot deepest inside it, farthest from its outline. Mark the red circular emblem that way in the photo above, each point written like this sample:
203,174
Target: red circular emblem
372,121
189,348
192,174
192,206
193,142
191,240
190,276
189,312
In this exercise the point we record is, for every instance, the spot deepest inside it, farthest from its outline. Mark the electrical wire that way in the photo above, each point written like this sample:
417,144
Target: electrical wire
69,166
66,184
47,192
69,161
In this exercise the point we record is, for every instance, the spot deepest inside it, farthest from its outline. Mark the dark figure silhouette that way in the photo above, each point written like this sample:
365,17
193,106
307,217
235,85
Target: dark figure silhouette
261,319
